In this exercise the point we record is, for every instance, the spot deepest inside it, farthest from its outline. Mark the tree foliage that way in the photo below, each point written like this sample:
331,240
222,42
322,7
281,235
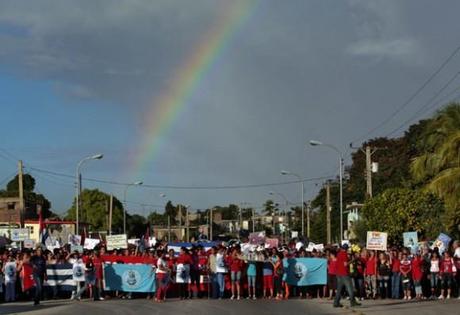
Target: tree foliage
94,211
400,210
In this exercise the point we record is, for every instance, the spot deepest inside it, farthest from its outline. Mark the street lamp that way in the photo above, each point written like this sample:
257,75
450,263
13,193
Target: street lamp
319,143
137,183
78,189
303,206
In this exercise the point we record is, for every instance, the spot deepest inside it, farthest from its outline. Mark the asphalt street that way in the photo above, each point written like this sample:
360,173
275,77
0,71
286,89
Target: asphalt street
227,307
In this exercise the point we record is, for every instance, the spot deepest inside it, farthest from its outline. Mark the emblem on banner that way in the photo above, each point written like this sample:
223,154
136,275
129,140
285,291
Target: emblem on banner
300,270
132,278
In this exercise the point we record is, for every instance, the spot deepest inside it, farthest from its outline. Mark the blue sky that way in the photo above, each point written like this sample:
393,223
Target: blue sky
77,78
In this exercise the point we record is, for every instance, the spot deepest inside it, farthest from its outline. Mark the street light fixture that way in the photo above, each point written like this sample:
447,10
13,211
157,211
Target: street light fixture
136,183
303,205
78,188
319,143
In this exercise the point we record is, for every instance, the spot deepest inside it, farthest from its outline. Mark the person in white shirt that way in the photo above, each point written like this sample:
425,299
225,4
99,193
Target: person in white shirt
10,272
162,274
221,270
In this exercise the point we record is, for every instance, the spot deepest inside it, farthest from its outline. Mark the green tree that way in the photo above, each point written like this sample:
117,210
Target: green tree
136,225
94,210
270,207
28,183
437,168
400,210
156,218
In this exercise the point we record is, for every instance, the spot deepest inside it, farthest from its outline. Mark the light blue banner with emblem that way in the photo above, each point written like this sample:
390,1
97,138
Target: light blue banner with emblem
129,278
306,271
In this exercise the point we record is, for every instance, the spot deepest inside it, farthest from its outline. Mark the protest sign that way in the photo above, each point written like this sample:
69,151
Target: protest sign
376,240
18,235
183,273
29,243
74,239
411,241
442,242
76,248
90,243
78,271
118,241
271,243
257,238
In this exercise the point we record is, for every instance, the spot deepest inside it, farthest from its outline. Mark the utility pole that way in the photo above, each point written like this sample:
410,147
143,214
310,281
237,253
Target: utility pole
328,212
210,224
188,225
169,228
180,222
21,192
368,171
110,214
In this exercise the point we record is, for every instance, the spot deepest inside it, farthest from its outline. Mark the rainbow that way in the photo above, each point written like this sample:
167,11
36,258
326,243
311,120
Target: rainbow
167,106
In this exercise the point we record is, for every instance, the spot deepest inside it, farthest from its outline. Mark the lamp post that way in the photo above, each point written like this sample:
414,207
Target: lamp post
137,183
286,204
303,206
78,189
319,143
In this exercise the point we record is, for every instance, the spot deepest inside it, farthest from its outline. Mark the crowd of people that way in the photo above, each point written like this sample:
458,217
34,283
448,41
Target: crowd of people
225,271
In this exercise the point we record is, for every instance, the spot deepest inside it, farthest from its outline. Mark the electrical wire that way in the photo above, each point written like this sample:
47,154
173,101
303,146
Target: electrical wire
412,97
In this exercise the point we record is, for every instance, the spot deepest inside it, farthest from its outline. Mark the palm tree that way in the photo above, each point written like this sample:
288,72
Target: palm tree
438,167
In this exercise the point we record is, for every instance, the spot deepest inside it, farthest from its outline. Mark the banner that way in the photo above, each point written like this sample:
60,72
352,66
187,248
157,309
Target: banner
10,271
257,238
411,241
60,276
306,271
376,240
442,242
119,241
129,278
19,235
76,248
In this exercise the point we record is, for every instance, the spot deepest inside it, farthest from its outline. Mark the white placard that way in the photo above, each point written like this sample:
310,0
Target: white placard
18,235
119,241
29,243
90,243
376,240
74,239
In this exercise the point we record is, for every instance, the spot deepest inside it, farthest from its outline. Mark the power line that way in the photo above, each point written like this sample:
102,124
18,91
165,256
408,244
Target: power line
184,187
427,106
413,96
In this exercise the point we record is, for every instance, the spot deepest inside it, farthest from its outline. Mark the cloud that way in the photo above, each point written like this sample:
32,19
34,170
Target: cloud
396,48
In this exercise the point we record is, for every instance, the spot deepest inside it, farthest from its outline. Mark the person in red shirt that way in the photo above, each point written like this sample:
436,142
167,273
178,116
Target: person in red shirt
405,267
417,275
202,267
331,273
236,265
343,278
395,274
448,271
371,275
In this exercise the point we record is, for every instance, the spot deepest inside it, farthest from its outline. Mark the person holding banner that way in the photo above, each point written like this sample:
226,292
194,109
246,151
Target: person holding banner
183,272
162,276
236,265
343,278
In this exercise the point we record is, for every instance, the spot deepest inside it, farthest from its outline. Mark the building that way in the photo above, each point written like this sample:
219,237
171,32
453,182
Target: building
10,211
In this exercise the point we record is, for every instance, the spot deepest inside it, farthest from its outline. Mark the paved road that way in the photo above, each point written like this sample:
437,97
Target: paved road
226,307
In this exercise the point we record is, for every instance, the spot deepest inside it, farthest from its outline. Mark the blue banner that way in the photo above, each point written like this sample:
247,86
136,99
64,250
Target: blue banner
129,278
306,271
